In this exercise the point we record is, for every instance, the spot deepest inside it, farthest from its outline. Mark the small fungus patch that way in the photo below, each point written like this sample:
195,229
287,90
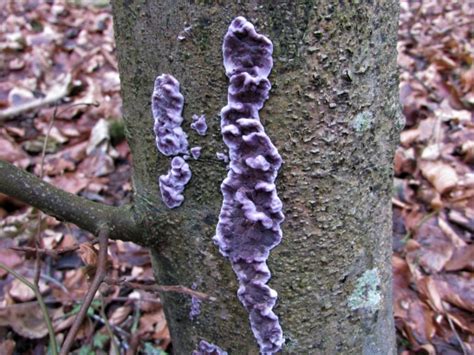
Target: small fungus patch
172,184
206,348
196,152
199,124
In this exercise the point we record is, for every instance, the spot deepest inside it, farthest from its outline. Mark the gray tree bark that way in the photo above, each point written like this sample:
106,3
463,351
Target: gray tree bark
333,113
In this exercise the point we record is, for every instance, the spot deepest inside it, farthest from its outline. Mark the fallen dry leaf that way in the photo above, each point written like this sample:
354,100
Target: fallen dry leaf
409,136
441,175
25,319
415,319
12,153
404,161
457,290
119,315
147,301
154,323
20,292
76,282
462,320
447,113
467,149
9,258
70,182
462,259
88,254
461,219
450,233
433,250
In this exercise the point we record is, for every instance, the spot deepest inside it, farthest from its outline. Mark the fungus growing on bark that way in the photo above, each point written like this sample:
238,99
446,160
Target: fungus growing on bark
222,156
196,152
199,124
172,184
195,308
251,214
167,106
196,303
206,348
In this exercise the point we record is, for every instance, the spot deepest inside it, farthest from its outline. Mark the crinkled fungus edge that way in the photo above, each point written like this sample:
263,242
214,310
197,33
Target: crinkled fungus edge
167,107
251,213
172,184
205,348
199,124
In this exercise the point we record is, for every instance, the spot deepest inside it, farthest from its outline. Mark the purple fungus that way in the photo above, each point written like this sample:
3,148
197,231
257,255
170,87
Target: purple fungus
195,308
173,183
199,124
167,106
196,152
251,214
195,303
206,348
222,156
246,51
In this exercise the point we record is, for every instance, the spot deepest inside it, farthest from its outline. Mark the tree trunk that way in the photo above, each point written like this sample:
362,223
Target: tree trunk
333,114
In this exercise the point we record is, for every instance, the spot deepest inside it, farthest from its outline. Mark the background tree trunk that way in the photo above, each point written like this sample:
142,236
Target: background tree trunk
333,114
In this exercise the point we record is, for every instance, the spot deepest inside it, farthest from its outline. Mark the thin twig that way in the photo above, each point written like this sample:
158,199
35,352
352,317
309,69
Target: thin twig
37,241
44,309
431,92
55,94
117,329
45,142
456,335
41,175
467,195
40,214
135,337
425,218
113,344
448,29
129,299
181,289
398,203
48,252
96,282
56,282
451,325
95,104
163,288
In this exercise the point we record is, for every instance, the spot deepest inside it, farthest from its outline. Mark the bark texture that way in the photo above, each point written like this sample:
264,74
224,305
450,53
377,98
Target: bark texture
333,114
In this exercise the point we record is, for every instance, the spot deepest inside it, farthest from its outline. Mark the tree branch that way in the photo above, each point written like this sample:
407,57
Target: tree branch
88,215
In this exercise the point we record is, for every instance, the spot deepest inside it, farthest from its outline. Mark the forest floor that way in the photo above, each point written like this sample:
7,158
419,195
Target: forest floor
433,215
65,54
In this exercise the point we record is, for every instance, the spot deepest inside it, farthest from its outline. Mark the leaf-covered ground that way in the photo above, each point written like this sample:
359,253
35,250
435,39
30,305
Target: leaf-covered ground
433,216
56,51
46,49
